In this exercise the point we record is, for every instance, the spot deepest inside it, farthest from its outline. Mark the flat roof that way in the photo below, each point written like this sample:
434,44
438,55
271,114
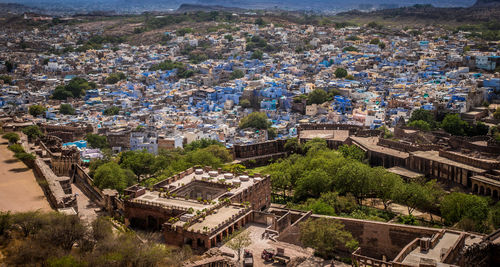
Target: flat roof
404,172
370,143
485,180
218,217
434,155
445,243
338,135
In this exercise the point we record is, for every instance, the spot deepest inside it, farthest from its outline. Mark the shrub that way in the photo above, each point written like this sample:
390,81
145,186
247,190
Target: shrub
16,148
12,137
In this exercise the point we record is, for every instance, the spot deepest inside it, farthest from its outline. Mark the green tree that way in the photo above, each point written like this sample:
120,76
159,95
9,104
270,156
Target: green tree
115,77
340,73
111,111
257,54
97,141
219,152
413,195
352,152
375,41
36,110
350,49
454,125
33,132
423,115
64,261
457,206
9,66
202,143
75,88
326,236
355,178
386,132
167,65
312,184
234,168
16,148
259,21
386,185
67,109
314,145
239,241
421,125
257,120
5,222
11,137
237,74
63,231
496,114
110,175
318,96
228,37
271,133
245,103
292,145
6,79
139,162
60,93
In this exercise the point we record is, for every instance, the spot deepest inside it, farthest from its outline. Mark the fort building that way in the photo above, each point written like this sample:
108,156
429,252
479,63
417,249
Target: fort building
199,207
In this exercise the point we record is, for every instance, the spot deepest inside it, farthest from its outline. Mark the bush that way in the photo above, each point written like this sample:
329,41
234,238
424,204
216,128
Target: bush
115,77
25,157
66,109
237,74
257,54
340,73
33,132
257,120
36,110
12,137
111,111
75,88
16,148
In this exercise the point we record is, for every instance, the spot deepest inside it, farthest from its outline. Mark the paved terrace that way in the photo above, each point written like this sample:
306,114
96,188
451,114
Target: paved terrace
404,172
370,143
434,156
337,135
445,243
220,215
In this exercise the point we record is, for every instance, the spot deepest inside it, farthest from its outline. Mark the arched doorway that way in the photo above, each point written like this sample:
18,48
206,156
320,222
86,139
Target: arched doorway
481,190
474,189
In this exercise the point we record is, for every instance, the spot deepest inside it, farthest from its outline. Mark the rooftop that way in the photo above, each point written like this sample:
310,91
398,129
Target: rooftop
370,143
218,217
404,172
211,186
435,253
434,155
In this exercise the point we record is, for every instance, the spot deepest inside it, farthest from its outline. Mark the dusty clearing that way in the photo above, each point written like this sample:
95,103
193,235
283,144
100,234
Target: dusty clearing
19,190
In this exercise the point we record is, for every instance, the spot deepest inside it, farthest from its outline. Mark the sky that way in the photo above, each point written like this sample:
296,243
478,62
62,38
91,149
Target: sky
165,5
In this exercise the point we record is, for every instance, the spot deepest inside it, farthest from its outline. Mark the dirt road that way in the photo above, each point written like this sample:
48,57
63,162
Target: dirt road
19,190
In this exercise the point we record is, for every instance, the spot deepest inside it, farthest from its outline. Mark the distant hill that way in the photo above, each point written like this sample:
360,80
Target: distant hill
482,11
207,8
17,8
487,3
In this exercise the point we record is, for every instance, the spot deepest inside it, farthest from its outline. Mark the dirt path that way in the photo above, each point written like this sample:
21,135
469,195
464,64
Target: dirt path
400,209
19,190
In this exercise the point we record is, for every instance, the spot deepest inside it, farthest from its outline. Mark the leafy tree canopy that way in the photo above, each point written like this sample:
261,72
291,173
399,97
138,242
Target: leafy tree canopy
257,120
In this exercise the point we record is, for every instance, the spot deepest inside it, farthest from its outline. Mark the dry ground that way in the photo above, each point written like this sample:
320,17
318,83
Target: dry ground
19,190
